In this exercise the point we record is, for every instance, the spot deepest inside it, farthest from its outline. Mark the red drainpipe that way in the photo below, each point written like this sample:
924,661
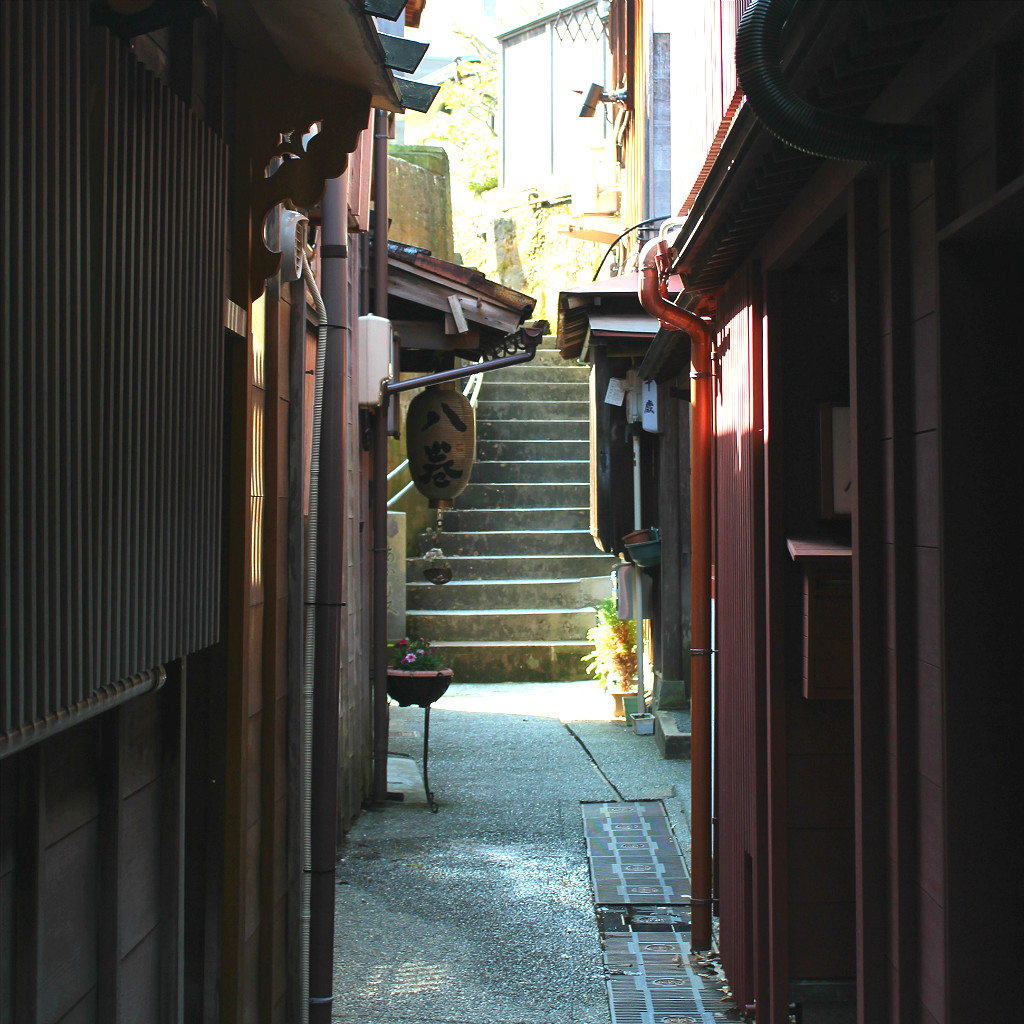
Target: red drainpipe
653,270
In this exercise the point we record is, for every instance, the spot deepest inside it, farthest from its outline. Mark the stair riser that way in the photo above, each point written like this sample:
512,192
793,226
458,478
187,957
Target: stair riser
549,545
549,355
529,372
505,594
531,472
537,391
528,409
532,430
497,627
486,567
517,519
524,496
515,451
539,663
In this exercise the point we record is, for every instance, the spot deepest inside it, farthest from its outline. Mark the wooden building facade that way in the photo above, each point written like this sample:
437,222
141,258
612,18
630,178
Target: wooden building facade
152,459
867,780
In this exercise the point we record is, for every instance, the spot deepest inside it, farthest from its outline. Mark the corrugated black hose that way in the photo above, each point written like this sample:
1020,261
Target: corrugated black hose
797,123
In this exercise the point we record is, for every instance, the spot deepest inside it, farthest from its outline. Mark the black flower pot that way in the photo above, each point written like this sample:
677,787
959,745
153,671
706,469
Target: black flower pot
421,688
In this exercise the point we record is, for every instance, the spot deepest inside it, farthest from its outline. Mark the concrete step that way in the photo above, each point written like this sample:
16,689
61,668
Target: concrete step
520,594
472,520
535,543
523,662
532,430
549,355
513,449
514,567
552,409
499,625
533,471
534,372
535,391
521,495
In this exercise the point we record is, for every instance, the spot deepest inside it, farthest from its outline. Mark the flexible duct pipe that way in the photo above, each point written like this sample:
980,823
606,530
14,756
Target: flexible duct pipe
796,122
328,595
653,269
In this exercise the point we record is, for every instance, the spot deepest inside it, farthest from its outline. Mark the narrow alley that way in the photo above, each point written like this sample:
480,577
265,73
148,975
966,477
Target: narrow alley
443,353
484,912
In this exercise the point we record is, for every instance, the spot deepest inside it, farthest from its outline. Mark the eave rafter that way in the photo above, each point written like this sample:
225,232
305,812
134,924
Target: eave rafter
275,111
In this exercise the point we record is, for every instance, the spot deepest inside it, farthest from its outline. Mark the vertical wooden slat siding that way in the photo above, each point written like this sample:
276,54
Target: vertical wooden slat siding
740,616
112,366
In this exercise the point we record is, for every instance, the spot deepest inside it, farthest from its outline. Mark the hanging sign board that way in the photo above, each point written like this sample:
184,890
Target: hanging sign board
651,408
440,433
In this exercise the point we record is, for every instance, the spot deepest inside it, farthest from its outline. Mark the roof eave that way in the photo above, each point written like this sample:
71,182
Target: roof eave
326,40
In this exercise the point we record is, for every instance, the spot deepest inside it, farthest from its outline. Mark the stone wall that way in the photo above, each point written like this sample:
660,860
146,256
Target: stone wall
419,199
519,245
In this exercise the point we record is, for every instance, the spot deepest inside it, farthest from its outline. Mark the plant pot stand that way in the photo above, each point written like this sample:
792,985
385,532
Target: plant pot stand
421,688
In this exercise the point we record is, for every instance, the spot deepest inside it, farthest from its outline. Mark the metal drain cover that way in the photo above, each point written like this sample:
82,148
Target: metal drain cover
633,857
651,980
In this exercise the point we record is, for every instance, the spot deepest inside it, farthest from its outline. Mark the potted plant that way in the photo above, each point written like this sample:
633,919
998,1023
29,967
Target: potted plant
416,672
613,659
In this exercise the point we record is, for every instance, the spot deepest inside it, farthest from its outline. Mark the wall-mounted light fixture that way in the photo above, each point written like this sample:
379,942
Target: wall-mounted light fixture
595,95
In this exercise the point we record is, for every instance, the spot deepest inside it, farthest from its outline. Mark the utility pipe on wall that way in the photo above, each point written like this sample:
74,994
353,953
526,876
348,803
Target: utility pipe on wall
654,271
379,511
326,549
638,590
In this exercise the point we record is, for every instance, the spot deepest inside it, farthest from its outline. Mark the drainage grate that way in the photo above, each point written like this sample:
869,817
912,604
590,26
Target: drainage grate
646,999
633,858
642,891
623,919
650,981
663,953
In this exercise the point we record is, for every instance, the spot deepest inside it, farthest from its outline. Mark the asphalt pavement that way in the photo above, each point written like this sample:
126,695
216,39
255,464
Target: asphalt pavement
482,913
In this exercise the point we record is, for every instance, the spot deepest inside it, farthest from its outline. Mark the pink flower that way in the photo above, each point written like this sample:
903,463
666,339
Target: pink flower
409,659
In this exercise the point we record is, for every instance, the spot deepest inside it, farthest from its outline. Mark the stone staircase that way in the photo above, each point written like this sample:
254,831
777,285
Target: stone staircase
526,573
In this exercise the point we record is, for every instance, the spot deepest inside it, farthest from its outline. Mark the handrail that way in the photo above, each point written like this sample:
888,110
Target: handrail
472,392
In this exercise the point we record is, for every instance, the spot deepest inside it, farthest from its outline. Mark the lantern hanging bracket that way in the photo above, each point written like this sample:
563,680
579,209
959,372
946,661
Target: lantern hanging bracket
527,339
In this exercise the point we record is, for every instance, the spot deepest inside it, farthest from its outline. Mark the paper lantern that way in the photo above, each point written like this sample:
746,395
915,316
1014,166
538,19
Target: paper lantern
440,437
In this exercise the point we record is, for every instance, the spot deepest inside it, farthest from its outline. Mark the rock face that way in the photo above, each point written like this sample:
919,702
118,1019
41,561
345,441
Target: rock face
526,574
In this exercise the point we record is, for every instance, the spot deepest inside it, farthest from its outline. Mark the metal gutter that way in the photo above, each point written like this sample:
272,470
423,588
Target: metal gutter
653,269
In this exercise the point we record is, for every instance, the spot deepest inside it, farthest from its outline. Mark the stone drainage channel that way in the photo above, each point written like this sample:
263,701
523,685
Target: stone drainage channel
642,893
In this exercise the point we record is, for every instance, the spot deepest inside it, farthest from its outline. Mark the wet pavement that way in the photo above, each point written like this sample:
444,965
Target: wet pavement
483,913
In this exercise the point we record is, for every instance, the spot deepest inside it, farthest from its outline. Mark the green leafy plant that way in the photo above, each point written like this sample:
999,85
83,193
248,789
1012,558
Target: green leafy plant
414,655
614,640
469,105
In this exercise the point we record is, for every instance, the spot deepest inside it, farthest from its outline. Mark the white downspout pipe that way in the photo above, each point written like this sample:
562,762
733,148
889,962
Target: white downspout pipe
638,590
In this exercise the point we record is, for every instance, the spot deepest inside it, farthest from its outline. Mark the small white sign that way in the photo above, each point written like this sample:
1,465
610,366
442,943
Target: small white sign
649,407
616,392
